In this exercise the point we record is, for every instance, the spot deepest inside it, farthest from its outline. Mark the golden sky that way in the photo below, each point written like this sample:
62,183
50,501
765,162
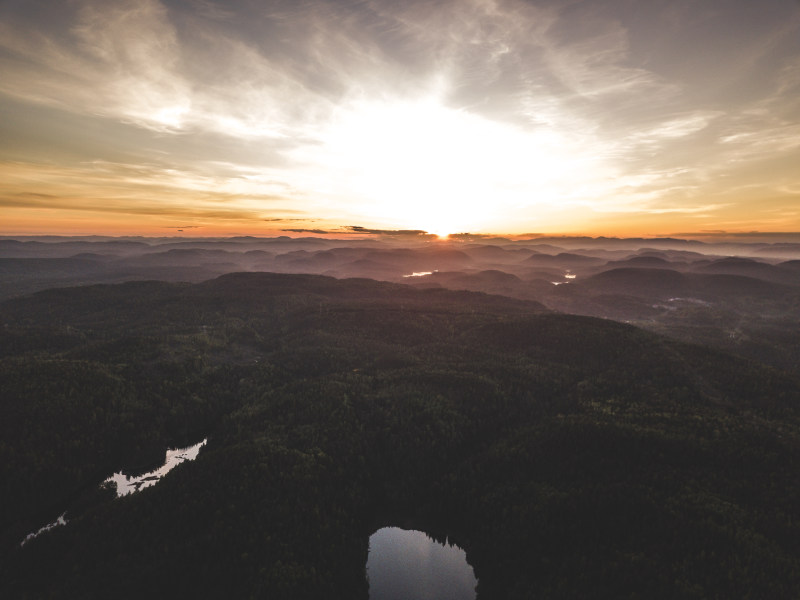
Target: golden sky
616,117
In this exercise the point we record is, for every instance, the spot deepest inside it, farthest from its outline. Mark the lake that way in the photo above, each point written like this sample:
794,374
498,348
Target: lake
408,565
127,484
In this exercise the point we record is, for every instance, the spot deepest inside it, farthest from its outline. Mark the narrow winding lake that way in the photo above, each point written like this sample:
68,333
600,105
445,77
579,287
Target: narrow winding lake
408,565
127,484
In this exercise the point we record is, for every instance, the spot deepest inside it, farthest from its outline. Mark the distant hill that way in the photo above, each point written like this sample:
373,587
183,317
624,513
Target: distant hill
497,254
791,264
639,281
564,259
643,262
663,283
751,268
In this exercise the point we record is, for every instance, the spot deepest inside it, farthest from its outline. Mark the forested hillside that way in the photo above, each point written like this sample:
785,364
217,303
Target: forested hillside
571,457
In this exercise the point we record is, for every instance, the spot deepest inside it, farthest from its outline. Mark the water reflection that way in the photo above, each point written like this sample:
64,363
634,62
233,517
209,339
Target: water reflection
408,565
59,521
127,484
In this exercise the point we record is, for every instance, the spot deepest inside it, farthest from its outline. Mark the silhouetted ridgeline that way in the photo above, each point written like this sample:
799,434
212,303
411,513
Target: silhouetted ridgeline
570,456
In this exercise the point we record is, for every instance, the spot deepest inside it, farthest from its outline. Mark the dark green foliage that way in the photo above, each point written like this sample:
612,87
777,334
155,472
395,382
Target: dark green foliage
571,457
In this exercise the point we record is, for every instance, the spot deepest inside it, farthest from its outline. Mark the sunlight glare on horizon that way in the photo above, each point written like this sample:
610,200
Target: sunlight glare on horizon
422,165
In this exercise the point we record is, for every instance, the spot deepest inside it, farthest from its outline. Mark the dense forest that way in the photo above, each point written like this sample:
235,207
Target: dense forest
570,456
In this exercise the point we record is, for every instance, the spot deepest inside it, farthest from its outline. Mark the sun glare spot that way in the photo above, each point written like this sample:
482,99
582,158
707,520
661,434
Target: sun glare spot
171,116
422,165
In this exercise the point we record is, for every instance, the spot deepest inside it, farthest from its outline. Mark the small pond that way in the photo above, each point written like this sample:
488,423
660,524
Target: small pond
408,565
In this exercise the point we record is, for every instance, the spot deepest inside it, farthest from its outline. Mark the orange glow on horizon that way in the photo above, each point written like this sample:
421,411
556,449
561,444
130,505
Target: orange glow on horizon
494,118
51,221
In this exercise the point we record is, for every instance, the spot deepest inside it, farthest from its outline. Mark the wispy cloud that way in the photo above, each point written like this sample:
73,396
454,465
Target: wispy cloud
130,189
534,109
303,230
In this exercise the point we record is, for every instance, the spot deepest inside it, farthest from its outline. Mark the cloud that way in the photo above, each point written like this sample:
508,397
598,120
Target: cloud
358,230
282,72
299,230
239,107
390,232
119,59
141,189
470,237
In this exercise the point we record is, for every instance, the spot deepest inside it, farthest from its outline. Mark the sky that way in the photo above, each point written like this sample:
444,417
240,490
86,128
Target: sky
304,117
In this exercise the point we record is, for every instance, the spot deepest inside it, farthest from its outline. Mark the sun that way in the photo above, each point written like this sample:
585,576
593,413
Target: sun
422,165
